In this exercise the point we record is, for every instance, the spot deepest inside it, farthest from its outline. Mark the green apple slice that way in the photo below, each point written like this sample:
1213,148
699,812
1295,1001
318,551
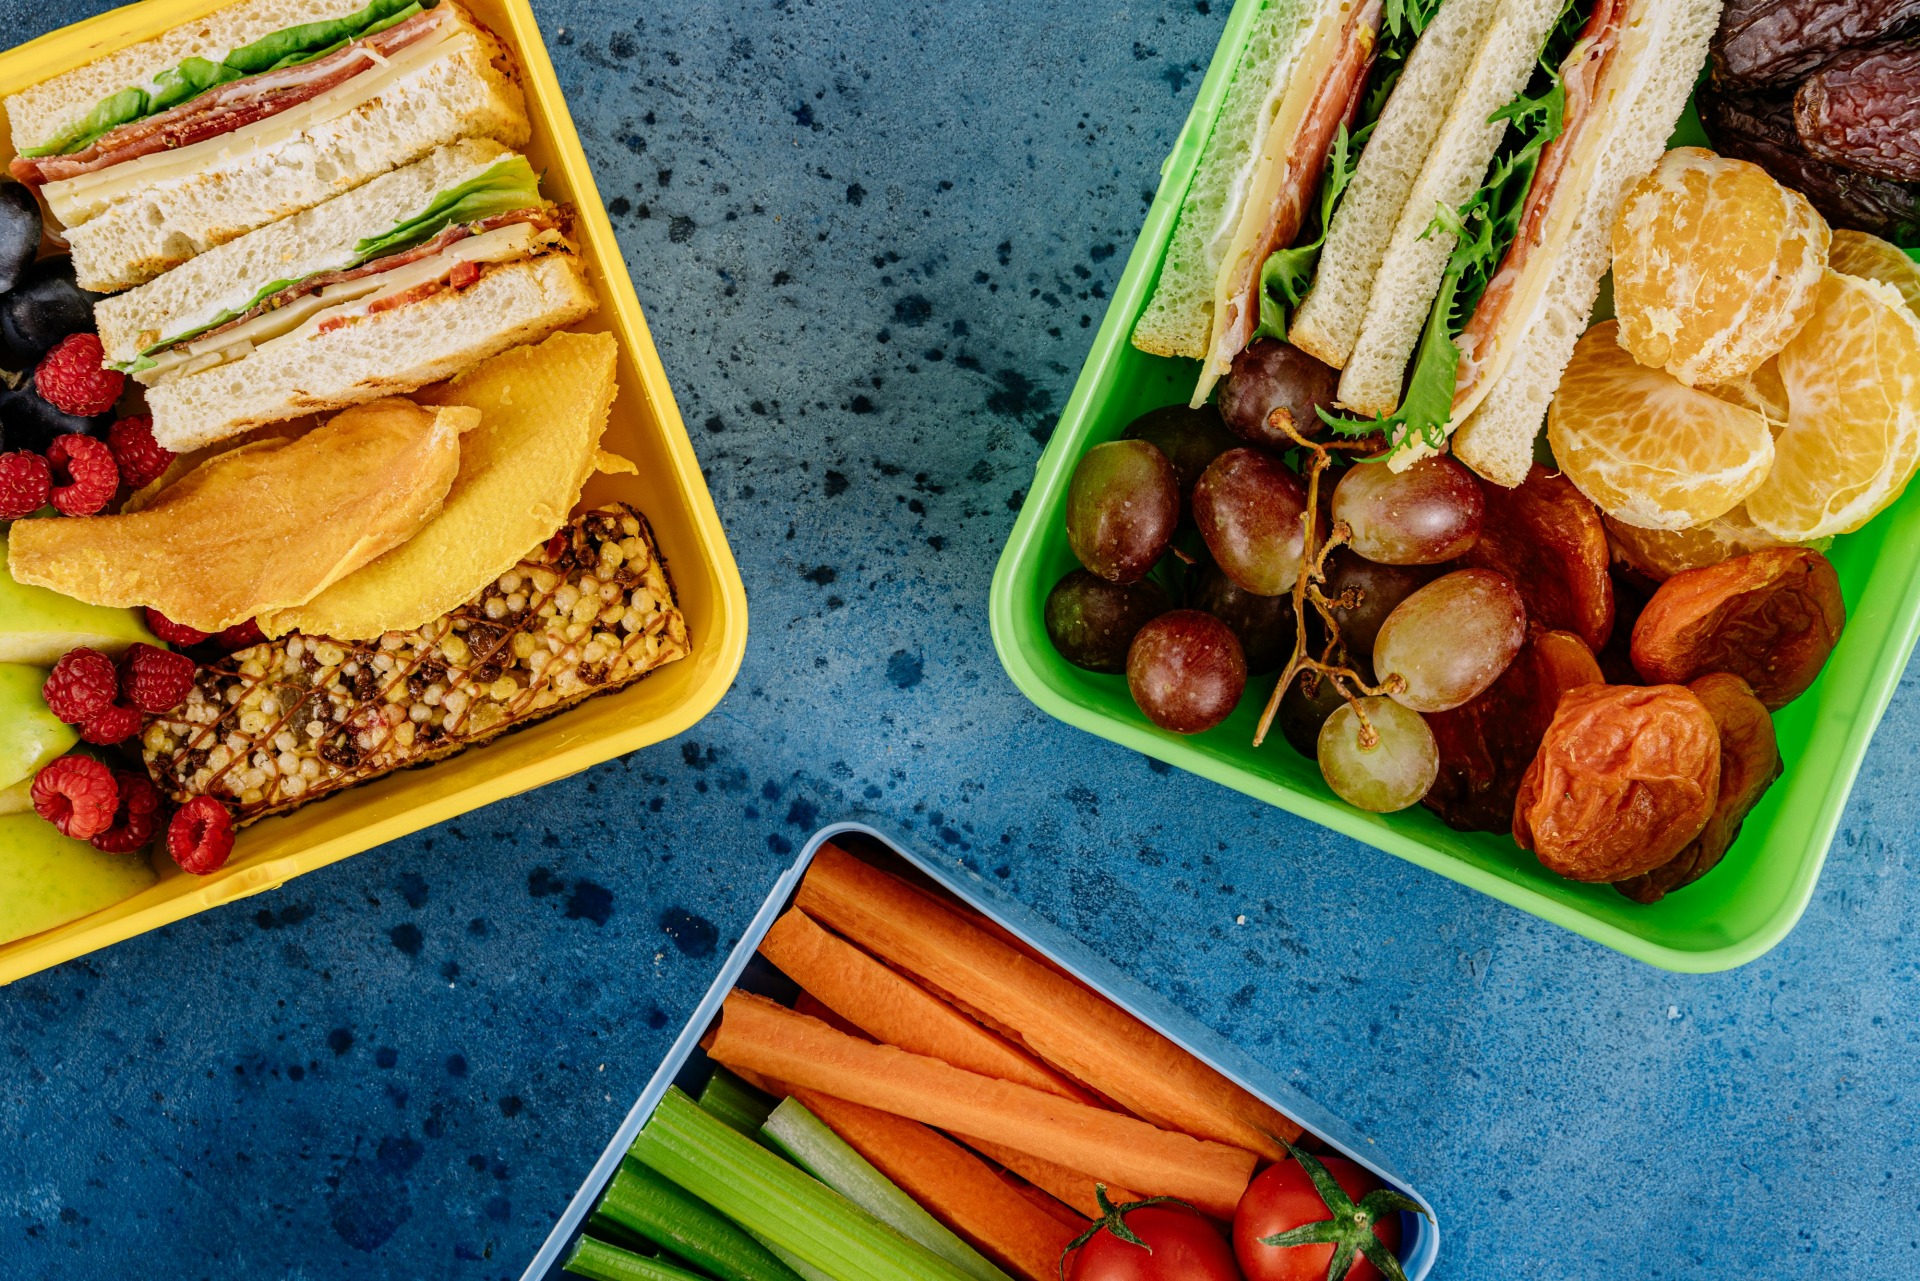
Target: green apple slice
30,735
17,799
47,880
38,626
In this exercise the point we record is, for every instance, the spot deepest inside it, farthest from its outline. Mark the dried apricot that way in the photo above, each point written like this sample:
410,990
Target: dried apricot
1487,744
1715,266
1660,554
1770,617
1852,437
1625,779
1749,762
1545,536
1855,253
1648,449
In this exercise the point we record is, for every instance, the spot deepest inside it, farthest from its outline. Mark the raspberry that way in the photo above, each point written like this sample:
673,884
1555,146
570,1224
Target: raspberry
71,380
201,836
26,482
155,680
114,723
240,636
85,477
81,685
141,458
76,794
136,817
171,632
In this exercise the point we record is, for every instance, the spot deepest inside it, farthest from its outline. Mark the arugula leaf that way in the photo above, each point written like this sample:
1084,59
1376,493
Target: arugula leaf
1485,228
508,185
285,48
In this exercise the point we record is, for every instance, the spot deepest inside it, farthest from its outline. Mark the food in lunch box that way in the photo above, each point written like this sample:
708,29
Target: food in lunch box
47,879
1856,253
942,1102
265,526
271,727
1092,622
1186,671
1660,554
1122,509
164,149
417,275
31,736
1520,121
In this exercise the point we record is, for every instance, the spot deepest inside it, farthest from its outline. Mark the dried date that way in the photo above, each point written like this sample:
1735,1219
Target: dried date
1762,130
1768,43
1749,762
1770,617
1625,779
1487,744
1546,537
1862,110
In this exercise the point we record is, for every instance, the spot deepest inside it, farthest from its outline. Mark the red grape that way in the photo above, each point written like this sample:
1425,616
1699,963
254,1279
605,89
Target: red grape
1451,639
1264,624
1249,506
1272,375
1392,774
1190,438
1122,509
1302,714
1092,621
1186,671
1381,588
1426,515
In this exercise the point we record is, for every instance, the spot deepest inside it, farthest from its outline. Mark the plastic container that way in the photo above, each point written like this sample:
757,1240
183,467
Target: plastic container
645,426
688,1067
1749,903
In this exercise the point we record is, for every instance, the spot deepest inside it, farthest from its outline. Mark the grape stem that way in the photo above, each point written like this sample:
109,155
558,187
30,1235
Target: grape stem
1333,664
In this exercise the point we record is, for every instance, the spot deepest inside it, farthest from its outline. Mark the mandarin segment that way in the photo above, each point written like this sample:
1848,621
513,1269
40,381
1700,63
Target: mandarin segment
1715,266
1852,439
1645,447
1660,554
1855,253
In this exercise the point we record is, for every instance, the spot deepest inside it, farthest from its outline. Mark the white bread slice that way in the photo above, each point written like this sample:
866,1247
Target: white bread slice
42,111
387,354
1410,271
472,92
1328,323
226,277
1178,317
1497,438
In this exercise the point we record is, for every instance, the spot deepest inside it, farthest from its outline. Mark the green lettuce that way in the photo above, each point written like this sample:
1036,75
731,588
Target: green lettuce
285,48
508,185
1484,228
1288,273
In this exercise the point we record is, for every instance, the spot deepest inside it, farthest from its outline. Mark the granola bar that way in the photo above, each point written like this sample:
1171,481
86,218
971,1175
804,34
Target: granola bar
271,727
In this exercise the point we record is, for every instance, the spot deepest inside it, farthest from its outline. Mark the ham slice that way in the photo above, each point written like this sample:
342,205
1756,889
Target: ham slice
1599,41
231,106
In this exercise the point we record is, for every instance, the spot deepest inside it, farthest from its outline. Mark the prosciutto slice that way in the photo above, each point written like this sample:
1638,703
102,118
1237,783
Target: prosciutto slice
233,105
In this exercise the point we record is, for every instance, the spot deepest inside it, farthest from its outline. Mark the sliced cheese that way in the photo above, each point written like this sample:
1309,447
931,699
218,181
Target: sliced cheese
304,316
1286,116
74,200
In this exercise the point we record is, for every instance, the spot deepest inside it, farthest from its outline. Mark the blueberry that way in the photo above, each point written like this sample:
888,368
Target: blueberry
29,422
19,232
45,307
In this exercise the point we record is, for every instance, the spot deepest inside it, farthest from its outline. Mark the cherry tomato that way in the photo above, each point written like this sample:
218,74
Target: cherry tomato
1176,1244
1282,1197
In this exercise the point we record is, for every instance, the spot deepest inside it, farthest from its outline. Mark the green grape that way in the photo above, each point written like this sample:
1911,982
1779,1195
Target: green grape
1391,775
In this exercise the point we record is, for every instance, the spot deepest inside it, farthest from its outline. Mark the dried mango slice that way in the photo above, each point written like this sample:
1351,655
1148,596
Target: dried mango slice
1715,266
262,527
542,411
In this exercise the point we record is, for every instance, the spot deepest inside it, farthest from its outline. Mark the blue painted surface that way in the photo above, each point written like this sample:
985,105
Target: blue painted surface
402,1066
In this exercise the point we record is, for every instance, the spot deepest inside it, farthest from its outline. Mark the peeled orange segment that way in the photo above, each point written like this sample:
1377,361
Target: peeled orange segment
1645,447
1660,554
1761,391
1852,439
1715,266
1855,253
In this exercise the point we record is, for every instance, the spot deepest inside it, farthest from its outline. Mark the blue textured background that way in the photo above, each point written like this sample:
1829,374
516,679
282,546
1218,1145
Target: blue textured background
871,239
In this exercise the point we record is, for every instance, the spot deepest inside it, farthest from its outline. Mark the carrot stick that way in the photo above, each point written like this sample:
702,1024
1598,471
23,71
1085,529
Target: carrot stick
1069,1186
895,1010
1042,1201
955,1186
815,1008
1087,1037
770,1040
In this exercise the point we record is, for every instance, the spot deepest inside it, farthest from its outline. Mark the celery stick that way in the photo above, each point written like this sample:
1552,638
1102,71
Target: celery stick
737,1103
646,1204
783,1204
828,1158
603,1262
806,1270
